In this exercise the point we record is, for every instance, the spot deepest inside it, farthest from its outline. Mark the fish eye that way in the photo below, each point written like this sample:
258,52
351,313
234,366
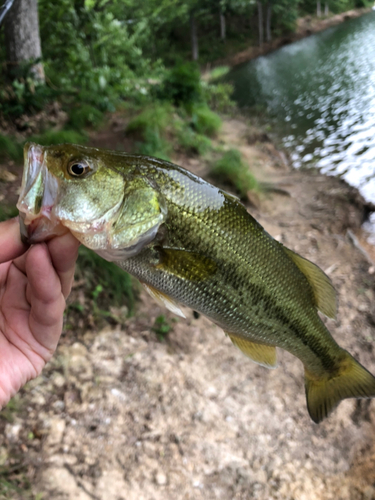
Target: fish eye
78,168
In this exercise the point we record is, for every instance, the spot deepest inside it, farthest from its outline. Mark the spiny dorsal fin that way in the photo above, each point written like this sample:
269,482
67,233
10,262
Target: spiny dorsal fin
264,355
164,300
324,293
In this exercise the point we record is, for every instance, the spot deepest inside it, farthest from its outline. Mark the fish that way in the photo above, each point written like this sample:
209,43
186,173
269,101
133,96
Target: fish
190,243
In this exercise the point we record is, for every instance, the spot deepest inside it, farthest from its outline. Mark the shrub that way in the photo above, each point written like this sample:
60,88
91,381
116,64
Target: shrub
10,148
231,168
182,85
59,137
192,142
205,121
80,117
98,272
150,126
218,97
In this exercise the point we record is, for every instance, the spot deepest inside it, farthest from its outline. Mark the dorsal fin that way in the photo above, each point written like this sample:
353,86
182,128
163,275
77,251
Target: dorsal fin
324,293
264,355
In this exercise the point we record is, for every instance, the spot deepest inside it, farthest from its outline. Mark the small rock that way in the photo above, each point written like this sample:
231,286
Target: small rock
7,176
58,380
38,399
12,432
56,431
3,456
161,479
58,405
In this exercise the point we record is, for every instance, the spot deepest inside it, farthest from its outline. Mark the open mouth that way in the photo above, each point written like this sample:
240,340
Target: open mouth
37,199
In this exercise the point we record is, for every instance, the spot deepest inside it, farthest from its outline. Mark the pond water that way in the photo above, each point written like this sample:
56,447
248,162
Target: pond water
321,93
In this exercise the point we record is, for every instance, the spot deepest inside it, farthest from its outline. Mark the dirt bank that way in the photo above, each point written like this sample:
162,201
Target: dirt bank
306,26
119,414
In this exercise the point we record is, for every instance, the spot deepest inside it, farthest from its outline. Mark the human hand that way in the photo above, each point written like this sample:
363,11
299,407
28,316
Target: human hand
34,284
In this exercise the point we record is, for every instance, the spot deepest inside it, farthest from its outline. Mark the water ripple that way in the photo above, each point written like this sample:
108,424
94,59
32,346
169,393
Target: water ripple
322,92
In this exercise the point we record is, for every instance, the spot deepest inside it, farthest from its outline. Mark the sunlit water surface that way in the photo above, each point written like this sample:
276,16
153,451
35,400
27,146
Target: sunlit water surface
321,90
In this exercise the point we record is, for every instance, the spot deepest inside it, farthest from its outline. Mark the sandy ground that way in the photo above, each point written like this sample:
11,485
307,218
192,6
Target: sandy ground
121,415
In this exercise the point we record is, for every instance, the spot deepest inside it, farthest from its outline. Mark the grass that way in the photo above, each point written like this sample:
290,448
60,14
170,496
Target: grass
85,115
161,327
230,168
205,121
10,148
51,137
150,127
161,127
101,276
7,212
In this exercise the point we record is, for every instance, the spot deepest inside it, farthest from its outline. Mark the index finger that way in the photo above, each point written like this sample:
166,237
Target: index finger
11,245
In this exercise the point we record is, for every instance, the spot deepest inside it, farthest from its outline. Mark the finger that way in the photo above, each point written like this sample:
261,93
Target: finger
11,245
45,295
64,251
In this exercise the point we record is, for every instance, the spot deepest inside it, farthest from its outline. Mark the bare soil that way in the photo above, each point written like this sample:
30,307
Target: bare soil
120,414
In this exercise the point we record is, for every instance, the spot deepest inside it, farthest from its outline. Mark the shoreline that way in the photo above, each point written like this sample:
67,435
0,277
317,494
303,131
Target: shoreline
306,26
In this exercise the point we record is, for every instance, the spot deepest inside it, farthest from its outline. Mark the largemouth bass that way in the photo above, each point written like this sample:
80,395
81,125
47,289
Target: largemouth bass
191,243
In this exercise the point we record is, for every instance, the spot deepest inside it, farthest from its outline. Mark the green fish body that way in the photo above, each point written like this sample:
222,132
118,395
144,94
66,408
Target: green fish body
190,243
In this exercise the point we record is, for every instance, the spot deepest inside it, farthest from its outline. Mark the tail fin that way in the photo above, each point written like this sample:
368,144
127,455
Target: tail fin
351,380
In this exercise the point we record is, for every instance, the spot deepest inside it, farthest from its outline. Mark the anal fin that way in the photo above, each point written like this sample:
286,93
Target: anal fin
264,355
164,300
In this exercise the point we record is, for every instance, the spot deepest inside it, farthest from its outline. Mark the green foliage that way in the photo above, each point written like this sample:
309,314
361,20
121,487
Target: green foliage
217,73
84,115
22,94
102,59
150,128
7,212
231,168
157,128
181,85
205,121
9,412
218,97
190,141
10,148
285,15
59,137
100,275
161,327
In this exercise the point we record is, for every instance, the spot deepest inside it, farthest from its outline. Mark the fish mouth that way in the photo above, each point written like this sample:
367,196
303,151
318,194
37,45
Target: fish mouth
38,196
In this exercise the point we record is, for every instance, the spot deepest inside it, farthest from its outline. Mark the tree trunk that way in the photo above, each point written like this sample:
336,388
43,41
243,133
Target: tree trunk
260,22
318,9
222,26
326,9
194,38
22,39
268,21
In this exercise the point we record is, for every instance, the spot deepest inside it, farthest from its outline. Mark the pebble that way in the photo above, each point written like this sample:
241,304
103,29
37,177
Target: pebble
161,479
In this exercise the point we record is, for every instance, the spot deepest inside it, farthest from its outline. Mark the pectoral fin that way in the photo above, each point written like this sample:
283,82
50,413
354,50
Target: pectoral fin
190,266
264,355
324,293
164,300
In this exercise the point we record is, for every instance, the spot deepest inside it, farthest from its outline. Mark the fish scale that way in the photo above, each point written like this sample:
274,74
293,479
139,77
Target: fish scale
191,243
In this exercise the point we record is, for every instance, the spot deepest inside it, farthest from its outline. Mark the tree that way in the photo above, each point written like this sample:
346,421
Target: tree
268,21
194,37
260,22
22,39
